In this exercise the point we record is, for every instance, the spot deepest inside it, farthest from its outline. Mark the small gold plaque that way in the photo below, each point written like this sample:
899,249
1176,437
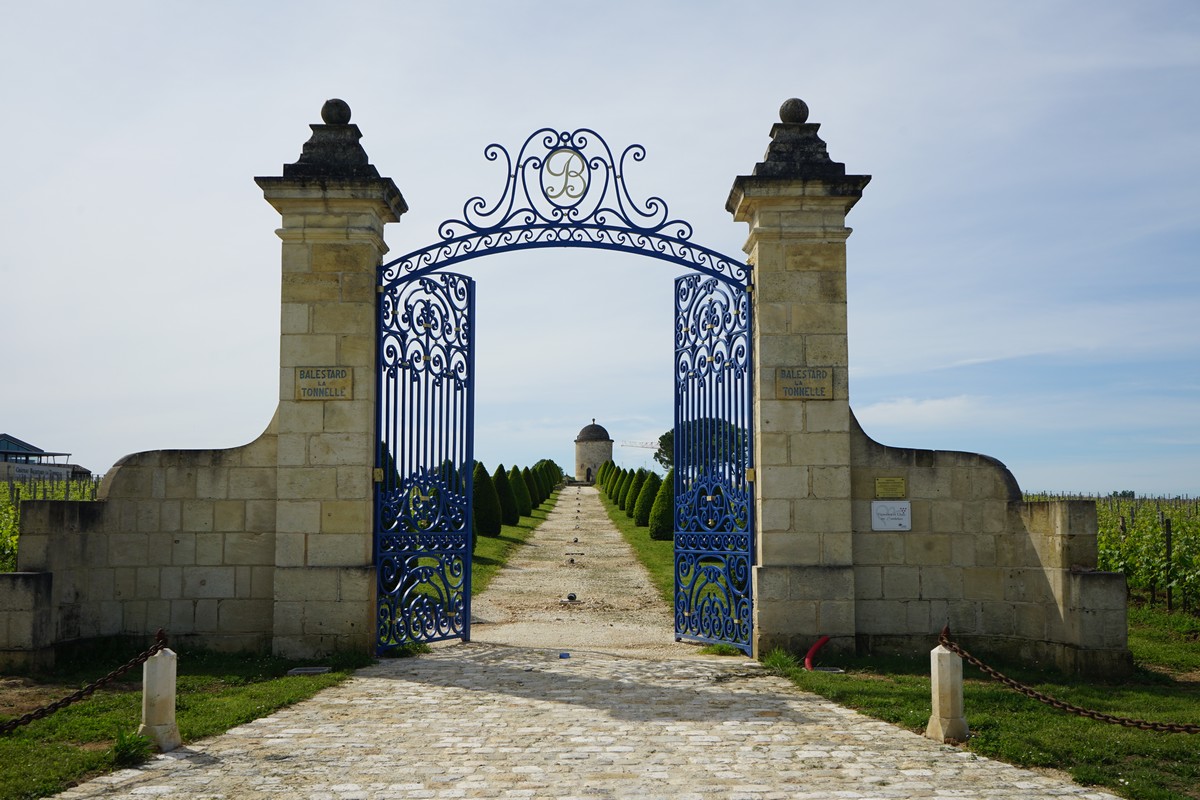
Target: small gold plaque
804,383
324,383
890,489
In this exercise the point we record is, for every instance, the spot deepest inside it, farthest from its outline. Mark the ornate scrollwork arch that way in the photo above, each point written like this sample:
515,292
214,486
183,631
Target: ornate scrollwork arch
565,189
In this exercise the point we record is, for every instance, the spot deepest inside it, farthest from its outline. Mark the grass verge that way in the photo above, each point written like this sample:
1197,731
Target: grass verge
1006,726
492,552
217,691
1010,727
658,557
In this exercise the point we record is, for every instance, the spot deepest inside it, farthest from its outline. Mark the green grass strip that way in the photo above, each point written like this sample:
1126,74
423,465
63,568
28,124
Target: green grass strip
1010,727
492,552
217,691
658,557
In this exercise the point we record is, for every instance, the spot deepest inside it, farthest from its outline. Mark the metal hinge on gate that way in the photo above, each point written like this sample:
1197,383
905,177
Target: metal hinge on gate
749,474
377,474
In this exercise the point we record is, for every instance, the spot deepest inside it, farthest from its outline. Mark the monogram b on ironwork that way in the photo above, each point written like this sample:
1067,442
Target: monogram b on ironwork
562,189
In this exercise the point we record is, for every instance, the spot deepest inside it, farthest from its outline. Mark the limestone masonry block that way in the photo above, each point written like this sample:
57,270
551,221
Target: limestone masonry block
244,616
208,582
347,516
245,548
837,548
776,481
311,288
260,515
783,549
941,583
307,483
821,516
827,417
820,449
927,548
868,581
308,350
343,317
828,351
229,515
210,548
341,449
901,583
252,483
298,516
830,482
339,549
128,549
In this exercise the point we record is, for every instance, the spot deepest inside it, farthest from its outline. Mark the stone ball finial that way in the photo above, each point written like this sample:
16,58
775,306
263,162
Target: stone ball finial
794,111
336,112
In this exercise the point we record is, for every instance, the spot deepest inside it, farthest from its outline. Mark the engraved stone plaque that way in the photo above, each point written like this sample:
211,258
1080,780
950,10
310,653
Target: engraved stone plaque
324,383
804,383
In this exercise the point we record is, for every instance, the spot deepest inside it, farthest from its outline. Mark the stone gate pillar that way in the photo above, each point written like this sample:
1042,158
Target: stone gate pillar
795,203
334,206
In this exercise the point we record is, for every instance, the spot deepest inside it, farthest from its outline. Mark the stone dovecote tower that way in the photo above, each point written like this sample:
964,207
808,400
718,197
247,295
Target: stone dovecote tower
593,446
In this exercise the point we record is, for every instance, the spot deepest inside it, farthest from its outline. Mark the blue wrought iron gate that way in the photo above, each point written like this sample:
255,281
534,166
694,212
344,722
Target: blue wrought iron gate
564,188
426,456
714,541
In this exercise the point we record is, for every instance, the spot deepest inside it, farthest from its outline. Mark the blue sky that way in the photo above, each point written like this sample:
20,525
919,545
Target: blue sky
1022,277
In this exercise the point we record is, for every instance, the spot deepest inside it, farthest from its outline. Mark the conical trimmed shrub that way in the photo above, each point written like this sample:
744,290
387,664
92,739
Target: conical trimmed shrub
535,494
615,486
645,500
623,489
486,502
631,493
521,492
508,500
662,513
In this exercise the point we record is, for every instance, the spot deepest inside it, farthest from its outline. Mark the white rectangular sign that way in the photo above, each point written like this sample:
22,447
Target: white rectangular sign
891,515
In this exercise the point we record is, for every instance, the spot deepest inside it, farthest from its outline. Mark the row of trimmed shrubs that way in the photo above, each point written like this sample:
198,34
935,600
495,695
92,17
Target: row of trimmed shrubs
644,497
504,496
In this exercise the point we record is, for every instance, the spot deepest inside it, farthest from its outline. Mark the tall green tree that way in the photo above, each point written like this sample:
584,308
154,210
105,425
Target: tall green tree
508,499
486,502
521,492
665,454
662,513
645,500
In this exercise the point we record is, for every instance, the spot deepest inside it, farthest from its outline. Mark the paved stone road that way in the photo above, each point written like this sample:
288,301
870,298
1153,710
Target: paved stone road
500,721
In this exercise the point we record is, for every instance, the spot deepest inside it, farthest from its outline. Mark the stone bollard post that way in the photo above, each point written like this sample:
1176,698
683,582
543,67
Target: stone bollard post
947,722
158,701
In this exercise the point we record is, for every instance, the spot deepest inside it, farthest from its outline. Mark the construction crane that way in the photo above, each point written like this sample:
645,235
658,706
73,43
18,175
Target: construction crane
647,445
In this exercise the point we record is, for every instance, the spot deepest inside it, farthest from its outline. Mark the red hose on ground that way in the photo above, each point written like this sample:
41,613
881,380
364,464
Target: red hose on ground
812,652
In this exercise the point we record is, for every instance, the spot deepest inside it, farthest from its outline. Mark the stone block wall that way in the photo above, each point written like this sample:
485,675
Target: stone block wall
26,626
178,539
1011,578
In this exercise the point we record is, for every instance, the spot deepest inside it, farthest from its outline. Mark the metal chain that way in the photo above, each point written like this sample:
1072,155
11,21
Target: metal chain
1141,724
160,643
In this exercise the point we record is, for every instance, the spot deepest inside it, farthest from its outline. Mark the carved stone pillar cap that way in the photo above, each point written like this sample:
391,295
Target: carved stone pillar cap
797,153
334,150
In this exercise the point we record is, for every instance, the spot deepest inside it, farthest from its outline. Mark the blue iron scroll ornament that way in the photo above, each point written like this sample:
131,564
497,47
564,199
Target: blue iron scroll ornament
563,189
423,481
566,189
714,543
